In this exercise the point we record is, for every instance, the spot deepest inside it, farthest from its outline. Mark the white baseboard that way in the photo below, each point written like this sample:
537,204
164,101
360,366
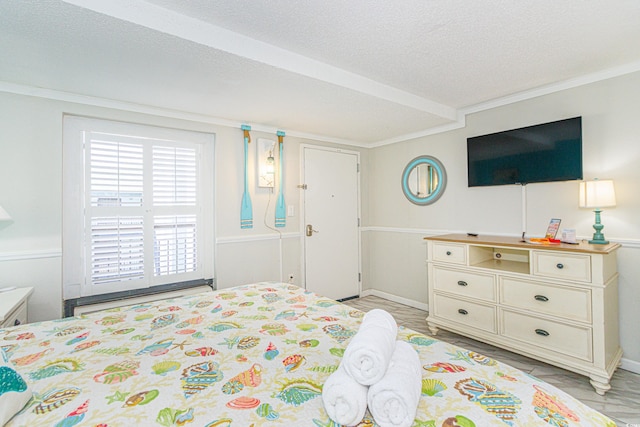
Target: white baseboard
630,365
395,298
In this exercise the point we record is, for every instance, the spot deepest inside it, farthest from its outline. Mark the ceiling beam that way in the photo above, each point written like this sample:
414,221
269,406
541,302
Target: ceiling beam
169,22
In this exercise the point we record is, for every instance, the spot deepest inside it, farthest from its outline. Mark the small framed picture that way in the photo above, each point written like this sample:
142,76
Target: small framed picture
552,230
569,236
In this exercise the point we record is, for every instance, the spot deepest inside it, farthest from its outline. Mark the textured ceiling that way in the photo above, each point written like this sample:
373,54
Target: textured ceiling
365,72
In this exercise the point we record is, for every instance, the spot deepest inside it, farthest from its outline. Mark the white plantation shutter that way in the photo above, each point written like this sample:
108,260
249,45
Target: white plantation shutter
116,180
146,209
116,173
117,249
174,185
174,176
175,240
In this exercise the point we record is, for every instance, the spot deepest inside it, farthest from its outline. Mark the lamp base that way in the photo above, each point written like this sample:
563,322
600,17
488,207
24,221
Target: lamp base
598,237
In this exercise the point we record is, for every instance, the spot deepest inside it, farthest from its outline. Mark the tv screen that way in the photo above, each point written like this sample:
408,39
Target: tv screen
540,153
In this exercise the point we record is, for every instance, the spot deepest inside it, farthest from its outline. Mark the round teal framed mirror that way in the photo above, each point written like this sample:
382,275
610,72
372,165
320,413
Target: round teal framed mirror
424,180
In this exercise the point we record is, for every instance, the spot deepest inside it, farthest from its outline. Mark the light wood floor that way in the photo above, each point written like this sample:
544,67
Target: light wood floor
621,403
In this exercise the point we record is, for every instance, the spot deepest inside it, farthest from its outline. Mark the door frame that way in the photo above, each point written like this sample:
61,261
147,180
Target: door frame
303,261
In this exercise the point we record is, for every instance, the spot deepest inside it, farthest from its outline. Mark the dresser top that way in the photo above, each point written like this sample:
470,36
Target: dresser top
515,242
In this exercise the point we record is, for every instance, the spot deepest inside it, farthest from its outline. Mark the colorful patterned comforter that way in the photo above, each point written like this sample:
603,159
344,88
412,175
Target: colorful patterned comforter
254,355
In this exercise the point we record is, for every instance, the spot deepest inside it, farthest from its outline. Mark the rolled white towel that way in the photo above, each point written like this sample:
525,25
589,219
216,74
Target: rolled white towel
368,354
379,317
344,399
393,401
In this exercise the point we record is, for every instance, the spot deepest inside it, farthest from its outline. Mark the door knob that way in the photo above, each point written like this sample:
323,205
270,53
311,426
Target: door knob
310,230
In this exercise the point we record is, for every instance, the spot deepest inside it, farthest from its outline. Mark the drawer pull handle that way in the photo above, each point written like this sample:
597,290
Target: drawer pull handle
541,298
448,253
17,322
542,332
463,311
462,283
560,266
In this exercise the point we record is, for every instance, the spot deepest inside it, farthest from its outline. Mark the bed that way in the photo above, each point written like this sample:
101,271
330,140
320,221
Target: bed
254,355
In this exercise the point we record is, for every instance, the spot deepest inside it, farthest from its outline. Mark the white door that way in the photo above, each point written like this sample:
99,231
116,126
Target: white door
330,228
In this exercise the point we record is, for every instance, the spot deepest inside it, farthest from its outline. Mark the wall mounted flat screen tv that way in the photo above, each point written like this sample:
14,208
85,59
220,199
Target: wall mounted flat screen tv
540,153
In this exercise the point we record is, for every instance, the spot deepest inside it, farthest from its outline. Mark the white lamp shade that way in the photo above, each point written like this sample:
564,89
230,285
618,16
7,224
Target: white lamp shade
597,194
4,216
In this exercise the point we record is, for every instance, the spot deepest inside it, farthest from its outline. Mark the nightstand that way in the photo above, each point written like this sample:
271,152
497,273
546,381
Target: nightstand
13,307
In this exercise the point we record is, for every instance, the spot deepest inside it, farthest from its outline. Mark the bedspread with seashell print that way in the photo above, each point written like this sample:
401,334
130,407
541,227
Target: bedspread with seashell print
254,355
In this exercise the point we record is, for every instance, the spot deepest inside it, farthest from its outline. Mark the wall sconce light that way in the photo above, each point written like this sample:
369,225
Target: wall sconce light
5,218
266,163
597,194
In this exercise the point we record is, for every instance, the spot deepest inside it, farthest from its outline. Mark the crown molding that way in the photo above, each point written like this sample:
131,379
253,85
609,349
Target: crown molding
553,87
460,121
514,98
57,95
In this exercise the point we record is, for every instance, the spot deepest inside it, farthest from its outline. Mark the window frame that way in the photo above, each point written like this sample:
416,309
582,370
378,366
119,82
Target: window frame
76,257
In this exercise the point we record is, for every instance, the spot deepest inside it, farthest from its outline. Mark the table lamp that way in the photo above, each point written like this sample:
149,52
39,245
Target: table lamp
597,194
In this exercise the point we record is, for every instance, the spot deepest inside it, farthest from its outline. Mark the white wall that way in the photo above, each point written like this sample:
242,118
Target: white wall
393,251
31,191
611,149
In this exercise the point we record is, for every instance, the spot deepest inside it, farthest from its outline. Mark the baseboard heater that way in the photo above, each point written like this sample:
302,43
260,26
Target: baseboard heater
85,305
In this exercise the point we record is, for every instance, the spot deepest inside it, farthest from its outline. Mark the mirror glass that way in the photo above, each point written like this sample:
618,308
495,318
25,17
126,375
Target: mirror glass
423,180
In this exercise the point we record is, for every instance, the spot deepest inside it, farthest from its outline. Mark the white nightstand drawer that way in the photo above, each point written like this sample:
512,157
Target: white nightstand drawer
567,339
18,317
465,283
450,252
468,313
562,266
13,306
565,302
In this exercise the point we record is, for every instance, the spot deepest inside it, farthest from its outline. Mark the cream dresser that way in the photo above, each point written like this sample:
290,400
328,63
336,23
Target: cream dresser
555,303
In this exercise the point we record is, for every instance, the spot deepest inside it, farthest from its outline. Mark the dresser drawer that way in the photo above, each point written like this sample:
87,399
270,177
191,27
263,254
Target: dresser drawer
562,266
468,313
468,284
568,303
567,339
450,252
17,317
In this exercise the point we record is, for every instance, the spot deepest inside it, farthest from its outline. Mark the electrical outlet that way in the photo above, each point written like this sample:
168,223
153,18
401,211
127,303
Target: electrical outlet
291,278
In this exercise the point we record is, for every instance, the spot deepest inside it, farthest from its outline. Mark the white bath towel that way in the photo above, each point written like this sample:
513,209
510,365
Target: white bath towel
379,317
344,399
393,401
368,354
